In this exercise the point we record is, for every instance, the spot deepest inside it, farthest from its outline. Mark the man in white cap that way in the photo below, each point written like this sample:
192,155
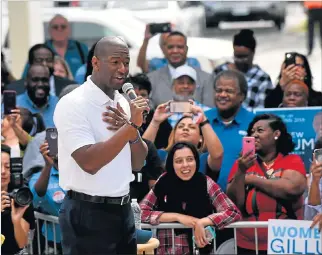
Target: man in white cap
161,80
183,87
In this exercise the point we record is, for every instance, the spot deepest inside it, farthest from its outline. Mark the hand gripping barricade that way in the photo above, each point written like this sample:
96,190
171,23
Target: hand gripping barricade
228,247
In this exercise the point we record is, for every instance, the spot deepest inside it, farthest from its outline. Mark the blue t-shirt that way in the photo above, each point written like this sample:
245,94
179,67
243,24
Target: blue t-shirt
202,157
230,137
80,74
157,63
72,56
50,203
47,112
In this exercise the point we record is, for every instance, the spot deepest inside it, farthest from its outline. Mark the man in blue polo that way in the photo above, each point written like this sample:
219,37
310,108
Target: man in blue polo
229,118
37,98
48,195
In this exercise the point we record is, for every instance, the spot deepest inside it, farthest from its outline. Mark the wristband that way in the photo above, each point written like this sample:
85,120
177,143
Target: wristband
133,125
201,124
138,138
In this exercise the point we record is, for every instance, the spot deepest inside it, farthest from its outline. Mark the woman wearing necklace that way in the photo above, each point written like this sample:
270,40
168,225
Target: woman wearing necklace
269,184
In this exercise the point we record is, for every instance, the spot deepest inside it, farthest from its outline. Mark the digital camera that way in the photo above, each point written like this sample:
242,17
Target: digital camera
21,194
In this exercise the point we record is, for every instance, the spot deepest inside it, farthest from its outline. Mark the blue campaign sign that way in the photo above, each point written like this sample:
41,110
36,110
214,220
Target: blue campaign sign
305,126
293,237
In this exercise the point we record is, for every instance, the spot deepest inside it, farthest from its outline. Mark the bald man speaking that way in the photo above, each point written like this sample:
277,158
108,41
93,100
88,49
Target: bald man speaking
97,140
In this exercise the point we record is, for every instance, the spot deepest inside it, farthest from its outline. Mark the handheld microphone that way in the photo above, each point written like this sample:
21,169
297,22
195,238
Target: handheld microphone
128,89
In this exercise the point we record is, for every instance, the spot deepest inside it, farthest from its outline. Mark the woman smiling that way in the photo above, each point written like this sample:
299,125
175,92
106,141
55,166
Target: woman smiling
269,184
189,197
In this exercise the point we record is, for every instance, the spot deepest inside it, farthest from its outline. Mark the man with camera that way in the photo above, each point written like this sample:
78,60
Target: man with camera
17,214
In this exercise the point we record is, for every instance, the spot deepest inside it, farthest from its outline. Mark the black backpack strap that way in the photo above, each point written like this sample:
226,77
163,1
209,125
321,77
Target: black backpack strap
255,206
80,51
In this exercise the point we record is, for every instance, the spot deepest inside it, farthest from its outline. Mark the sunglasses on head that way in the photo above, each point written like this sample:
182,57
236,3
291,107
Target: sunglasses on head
57,27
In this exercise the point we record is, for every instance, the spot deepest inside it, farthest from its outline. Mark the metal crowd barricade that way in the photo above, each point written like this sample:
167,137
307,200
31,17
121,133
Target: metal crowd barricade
48,219
235,226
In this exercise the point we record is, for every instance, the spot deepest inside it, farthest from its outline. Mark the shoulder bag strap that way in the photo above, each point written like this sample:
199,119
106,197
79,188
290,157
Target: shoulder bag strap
81,53
281,202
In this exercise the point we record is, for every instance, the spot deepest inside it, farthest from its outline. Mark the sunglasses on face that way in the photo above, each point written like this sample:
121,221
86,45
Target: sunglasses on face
40,79
57,27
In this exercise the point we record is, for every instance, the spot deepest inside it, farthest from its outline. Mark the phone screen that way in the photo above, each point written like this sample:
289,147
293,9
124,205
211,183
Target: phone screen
9,101
52,140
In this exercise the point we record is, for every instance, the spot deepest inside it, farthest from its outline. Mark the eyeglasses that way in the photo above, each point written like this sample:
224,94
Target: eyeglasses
40,79
57,26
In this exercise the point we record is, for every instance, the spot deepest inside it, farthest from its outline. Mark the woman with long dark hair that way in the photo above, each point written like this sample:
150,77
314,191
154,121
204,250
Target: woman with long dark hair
269,184
18,128
300,71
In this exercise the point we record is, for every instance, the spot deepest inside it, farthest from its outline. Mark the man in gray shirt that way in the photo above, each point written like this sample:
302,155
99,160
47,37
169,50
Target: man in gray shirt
176,53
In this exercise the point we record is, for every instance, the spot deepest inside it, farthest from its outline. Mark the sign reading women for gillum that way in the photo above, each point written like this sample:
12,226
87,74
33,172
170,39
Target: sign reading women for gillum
305,126
293,237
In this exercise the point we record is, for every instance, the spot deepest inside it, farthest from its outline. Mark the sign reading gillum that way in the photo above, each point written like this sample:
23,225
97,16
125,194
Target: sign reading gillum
293,237
303,124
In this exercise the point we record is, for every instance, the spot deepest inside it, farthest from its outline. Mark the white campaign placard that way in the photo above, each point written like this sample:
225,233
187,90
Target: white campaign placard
293,237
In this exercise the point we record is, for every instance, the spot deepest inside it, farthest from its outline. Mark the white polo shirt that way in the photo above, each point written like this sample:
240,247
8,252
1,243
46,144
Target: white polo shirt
78,119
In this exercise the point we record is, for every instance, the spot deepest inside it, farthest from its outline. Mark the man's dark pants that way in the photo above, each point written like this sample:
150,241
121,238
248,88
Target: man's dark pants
97,228
314,16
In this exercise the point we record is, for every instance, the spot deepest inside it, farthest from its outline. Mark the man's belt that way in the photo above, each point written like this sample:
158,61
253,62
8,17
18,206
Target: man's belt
98,199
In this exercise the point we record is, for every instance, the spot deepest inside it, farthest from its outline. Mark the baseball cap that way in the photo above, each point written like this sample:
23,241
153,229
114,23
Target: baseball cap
185,70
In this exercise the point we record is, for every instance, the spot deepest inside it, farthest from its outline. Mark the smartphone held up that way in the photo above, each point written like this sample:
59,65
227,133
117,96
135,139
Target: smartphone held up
52,140
248,145
290,58
9,101
156,28
318,155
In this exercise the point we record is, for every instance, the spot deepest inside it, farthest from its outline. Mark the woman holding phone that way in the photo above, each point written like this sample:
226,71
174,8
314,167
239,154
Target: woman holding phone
18,128
268,184
298,69
185,195
194,128
313,203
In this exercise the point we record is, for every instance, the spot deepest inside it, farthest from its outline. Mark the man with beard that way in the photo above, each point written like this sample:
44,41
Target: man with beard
259,82
43,55
37,98
229,118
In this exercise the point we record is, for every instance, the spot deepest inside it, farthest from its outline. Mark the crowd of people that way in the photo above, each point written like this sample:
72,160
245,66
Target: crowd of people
194,172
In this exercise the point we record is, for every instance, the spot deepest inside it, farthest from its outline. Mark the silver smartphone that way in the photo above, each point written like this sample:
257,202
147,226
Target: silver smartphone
180,106
318,155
